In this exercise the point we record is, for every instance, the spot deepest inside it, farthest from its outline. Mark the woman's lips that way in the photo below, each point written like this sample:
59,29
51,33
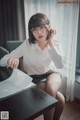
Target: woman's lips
40,36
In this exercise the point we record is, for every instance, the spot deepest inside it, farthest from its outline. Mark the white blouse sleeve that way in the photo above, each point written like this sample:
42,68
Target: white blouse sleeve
17,53
56,54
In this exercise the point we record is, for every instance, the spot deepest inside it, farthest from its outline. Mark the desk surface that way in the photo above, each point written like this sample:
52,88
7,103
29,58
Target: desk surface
27,104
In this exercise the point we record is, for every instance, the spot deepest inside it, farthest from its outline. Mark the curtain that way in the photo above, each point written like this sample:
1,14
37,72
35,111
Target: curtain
12,24
8,20
74,12
64,18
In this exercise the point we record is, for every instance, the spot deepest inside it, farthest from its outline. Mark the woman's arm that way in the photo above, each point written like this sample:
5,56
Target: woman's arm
55,51
12,59
56,54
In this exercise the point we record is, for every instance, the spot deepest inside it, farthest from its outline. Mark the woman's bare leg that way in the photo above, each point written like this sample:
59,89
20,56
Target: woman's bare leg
60,106
52,86
41,85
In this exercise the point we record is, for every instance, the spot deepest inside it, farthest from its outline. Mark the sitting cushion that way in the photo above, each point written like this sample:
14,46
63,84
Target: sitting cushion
4,71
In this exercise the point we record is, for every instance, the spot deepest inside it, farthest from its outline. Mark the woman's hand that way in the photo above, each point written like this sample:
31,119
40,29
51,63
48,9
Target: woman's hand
50,38
13,62
52,33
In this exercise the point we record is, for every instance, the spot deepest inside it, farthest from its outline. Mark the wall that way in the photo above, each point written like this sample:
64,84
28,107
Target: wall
77,90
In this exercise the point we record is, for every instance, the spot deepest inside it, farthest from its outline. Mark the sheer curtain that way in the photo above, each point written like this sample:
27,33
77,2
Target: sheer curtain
64,18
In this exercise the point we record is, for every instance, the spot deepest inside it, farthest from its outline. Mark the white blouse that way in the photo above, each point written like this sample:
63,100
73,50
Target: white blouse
36,60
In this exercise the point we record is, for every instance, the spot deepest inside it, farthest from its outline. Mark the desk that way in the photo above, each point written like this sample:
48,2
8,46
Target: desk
27,104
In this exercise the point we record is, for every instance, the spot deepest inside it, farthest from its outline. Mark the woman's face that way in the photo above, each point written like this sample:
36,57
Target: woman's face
40,33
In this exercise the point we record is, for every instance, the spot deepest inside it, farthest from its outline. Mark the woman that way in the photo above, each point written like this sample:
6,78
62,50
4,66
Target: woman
41,58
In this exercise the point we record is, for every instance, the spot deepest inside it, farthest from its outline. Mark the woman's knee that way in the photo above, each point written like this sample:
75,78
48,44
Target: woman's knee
54,80
53,83
41,86
61,98
50,90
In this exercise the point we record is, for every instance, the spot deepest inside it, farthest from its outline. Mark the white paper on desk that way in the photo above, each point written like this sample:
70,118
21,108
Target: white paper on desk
16,82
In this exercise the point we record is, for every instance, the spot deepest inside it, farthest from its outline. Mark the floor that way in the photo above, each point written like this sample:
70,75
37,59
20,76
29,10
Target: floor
71,112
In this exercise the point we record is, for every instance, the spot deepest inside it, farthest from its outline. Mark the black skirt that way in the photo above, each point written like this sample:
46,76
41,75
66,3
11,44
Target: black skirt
40,78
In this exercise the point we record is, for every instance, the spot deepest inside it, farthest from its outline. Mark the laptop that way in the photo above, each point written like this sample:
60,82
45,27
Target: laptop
17,82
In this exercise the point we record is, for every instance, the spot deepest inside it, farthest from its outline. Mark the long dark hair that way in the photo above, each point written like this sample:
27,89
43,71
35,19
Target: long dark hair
36,20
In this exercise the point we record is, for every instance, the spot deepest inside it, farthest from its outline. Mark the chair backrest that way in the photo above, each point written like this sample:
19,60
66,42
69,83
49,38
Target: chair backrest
11,45
4,71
